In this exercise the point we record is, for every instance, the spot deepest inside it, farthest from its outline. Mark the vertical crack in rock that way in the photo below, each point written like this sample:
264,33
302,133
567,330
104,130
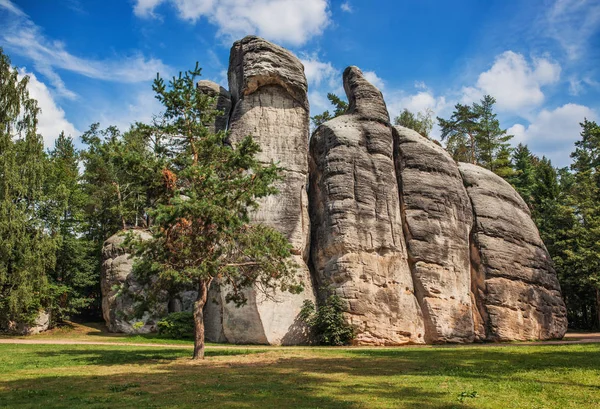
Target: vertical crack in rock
522,294
357,245
437,220
270,103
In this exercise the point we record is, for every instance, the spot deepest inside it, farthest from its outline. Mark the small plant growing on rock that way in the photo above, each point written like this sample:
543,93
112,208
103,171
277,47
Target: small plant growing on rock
327,321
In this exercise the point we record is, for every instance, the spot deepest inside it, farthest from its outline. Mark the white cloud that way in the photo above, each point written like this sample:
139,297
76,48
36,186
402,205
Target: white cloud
573,23
288,21
515,83
346,7
372,77
552,133
23,37
51,120
319,72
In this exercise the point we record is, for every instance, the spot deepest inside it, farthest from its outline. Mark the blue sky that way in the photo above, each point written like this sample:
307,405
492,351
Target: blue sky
94,61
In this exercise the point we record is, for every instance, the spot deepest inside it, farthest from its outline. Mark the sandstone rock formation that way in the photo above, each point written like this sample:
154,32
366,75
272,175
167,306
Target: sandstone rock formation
222,103
270,103
358,246
420,248
515,286
437,220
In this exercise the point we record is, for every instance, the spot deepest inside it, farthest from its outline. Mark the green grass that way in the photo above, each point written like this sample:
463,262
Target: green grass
93,376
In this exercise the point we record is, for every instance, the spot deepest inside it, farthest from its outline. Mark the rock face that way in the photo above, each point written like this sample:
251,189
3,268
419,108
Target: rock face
222,103
515,286
420,249
123,295
437,219
358,246
269,96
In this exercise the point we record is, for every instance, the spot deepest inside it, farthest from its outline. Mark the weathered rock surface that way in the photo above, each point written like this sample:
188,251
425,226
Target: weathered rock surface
222,103
270,103
437,219
41,323
515,286
123,296
358,246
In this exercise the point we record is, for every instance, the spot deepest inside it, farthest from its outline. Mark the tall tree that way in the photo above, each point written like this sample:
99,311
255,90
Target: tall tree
473,134
523,177
26,249
421,123
74,281
339,108
201,228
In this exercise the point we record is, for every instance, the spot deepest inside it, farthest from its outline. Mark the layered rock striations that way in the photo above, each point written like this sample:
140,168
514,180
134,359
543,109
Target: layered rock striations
420,249
515,286
270,103
437,219
358,246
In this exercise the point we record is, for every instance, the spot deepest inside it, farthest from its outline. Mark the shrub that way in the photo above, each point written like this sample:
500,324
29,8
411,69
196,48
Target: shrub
177,325
327,322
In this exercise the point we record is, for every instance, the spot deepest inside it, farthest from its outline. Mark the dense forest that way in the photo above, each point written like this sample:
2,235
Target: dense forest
58,206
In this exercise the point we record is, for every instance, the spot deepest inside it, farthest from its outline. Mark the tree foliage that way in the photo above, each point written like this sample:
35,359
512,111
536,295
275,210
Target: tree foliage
421,123
27,251
201,226
339,108
473,134
327,322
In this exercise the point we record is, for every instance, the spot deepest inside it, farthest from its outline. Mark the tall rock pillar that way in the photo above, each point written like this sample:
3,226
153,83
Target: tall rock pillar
358,246
269,97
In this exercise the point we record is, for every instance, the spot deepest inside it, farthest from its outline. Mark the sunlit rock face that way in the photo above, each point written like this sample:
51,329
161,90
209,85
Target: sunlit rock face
358,246
516,289
419,248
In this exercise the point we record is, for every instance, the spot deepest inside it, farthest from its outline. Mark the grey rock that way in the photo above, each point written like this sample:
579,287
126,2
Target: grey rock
268,89
437,219
515,286
222,103
358,246
123,295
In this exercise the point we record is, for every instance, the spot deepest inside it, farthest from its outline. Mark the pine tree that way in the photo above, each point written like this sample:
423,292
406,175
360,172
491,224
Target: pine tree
421,123
201,228
459,132
523,178
26,250
340,108
74,280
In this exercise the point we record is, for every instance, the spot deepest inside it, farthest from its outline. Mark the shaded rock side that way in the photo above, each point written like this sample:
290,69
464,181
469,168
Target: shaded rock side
270,103
515,286
357,243
124,297
437,219
222,103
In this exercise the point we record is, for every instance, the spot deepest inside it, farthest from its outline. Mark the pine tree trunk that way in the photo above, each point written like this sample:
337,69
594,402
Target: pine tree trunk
598,307
199,319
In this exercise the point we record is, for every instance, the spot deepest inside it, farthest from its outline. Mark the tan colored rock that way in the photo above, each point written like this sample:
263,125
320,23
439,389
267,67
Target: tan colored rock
358,246
270,103
515,286
437,219
222,103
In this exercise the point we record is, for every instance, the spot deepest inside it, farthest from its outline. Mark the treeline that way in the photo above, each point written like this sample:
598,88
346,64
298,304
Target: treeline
564,202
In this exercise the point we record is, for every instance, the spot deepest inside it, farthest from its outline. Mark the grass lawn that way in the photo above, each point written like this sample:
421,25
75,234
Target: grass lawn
114,376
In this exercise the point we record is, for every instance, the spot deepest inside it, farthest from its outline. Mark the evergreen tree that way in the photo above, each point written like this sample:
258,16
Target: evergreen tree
421,123
340,108
201,228
473,134
26,250
75,279
523,177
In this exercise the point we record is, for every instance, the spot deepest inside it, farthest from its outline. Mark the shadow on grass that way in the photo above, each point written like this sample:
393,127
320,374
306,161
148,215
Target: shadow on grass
392,378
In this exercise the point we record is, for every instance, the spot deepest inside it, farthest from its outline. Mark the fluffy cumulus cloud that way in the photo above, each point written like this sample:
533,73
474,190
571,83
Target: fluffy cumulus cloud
51,120
287,21
318,72
514,82
23,37
553,132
